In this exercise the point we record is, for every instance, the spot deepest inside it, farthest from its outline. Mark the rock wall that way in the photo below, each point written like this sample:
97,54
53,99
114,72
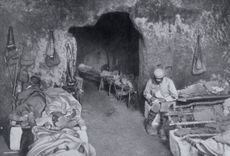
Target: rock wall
56,74
113,40
169,29
31,22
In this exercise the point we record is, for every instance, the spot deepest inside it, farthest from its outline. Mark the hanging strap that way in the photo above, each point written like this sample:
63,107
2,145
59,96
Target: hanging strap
51,44
198,58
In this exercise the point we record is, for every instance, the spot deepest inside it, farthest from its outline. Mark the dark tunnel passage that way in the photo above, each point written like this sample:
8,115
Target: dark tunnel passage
111,43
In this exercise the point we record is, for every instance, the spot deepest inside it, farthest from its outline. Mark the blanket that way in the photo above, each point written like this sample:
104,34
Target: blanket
59,143
62,110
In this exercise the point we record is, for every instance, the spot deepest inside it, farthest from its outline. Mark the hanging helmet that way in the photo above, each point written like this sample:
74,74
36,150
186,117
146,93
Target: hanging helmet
159,73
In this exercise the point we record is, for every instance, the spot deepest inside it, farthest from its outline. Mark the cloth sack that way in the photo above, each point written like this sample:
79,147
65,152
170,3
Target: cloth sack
11,57
23,75
26,61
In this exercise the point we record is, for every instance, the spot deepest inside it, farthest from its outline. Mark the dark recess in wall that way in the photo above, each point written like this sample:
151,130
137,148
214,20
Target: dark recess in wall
113,40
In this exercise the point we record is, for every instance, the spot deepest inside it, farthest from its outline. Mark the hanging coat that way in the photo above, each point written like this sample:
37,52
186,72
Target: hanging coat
198,65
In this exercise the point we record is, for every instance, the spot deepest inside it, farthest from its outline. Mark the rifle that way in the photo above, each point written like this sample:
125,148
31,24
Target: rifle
15,84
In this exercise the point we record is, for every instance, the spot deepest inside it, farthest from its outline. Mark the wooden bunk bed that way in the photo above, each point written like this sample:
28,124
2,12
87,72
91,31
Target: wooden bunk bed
182,117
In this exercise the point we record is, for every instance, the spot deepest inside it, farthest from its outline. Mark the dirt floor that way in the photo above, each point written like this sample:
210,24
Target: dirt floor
114,129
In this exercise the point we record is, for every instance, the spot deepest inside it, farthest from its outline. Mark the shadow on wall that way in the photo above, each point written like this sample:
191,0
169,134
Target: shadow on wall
113,40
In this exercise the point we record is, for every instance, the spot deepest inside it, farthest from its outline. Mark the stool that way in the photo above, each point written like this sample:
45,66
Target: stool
122,91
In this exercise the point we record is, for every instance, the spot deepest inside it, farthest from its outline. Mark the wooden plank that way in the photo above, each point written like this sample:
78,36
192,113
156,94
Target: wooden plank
208,97
201,103
178,113
200,135
191,123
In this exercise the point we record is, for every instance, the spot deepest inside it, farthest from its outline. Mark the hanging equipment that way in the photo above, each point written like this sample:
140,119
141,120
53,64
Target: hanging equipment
198,65
11,54
52,59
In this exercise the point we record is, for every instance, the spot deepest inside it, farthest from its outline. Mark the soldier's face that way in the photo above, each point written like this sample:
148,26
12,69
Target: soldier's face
158,80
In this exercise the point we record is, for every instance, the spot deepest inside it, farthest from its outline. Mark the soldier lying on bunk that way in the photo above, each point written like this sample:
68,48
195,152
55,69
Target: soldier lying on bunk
35,106
30,103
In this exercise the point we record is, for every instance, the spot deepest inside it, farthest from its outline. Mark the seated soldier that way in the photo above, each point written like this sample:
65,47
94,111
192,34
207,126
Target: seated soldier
160,93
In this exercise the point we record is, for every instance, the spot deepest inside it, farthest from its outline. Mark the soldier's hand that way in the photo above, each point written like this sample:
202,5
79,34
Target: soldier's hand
151,101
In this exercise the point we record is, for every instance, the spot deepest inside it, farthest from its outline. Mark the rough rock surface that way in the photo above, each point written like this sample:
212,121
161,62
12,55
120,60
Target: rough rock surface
169,29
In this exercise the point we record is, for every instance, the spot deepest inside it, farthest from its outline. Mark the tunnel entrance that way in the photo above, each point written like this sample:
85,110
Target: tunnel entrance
111,43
